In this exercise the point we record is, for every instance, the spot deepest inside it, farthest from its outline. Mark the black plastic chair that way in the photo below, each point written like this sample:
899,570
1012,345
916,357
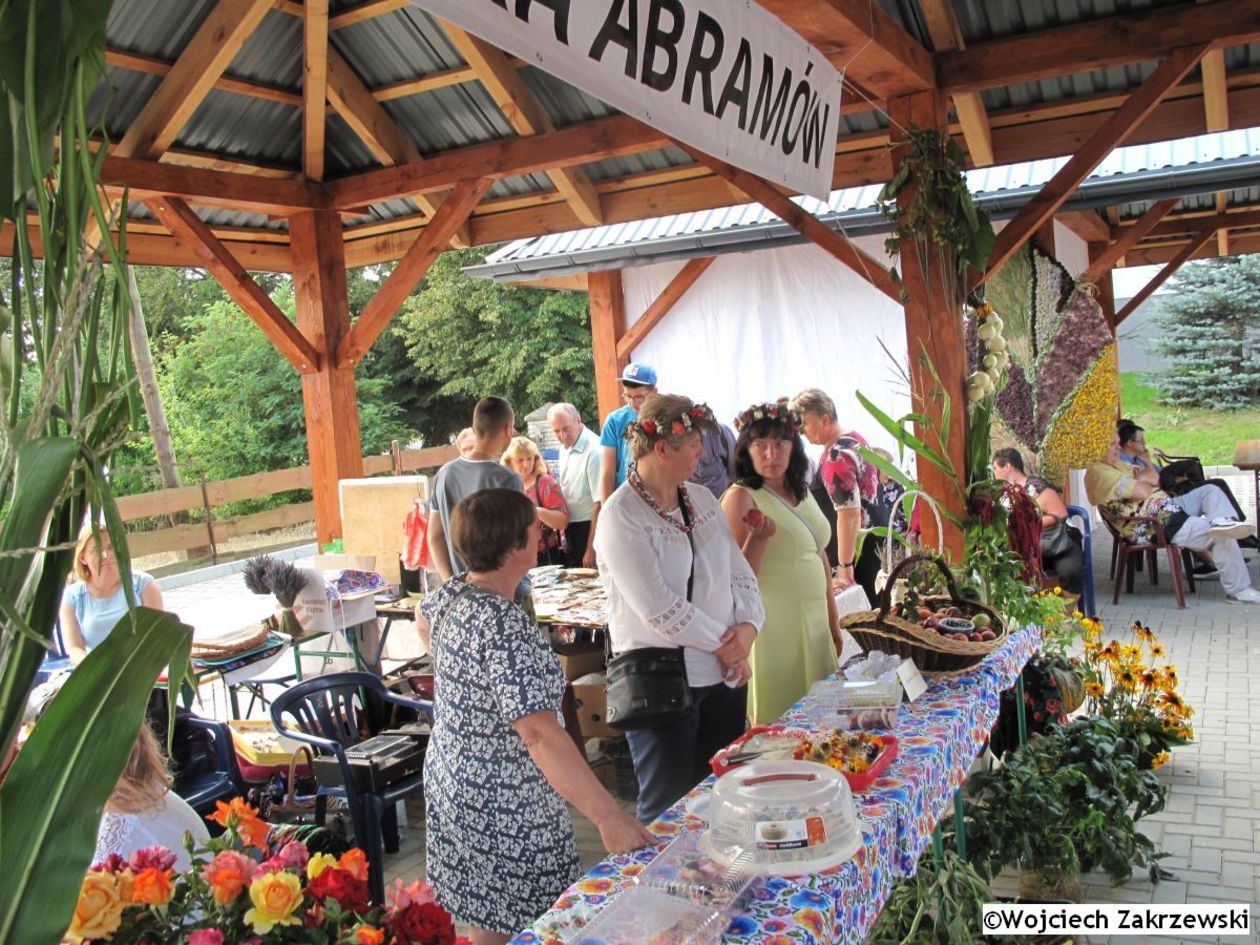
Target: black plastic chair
329,713
202,787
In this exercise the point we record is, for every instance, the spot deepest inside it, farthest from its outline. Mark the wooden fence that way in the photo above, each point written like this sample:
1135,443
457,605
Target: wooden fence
211,495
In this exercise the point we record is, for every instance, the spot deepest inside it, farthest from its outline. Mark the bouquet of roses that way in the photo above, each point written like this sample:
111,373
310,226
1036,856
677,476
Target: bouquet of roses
240,891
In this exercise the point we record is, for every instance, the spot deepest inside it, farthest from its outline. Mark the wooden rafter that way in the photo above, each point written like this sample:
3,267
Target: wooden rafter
366,11
1128,239
1098,44
859,37
1239,245
1086,224
211,254
225,83
1222,235
523,112
808,225
191,77
662,304
946,35
1191,223
1215,91
608,323
314,87
1051,196
218,188
1195,244
410,269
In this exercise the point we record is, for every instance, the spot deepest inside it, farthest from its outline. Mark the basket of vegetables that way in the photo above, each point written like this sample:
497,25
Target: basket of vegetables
942,633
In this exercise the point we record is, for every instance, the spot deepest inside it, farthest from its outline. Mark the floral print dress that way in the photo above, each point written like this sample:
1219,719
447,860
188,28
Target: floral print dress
499,842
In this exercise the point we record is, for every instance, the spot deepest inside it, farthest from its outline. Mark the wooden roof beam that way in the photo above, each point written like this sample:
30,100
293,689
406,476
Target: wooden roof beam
192,76
1098,44
1086,224
1179,225
1108,136
410,270
524,113
808,225
859,37
1195,244
135,62
211,187
1215,91
1105,260
946,34
1239,245
314,87
366,11
211,254
662,304
1222,235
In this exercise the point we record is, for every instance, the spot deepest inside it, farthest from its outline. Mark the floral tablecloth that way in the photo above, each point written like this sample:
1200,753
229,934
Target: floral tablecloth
940,736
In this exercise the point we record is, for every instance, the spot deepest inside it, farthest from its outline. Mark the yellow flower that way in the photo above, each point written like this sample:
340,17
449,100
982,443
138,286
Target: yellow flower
1170,700
1094,689
1160,760
1170,676
1130,652
1126,679
1158,651
1111,651
1149,678
1142,632
98,913
318,863
276,896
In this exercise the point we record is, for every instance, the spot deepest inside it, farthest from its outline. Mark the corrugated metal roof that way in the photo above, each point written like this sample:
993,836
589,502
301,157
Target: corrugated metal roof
855,207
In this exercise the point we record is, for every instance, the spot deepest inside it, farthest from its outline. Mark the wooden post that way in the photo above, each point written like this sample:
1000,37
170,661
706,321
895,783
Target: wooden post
323,317
933,329
608,324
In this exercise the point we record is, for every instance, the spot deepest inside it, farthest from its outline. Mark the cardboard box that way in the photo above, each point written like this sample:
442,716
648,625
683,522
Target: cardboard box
258,742
372,515
591,708
317,614
580,664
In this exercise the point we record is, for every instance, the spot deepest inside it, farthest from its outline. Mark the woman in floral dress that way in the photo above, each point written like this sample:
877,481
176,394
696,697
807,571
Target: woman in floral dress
499,842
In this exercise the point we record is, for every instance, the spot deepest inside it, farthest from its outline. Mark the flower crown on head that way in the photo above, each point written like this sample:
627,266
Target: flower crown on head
779,410
652,430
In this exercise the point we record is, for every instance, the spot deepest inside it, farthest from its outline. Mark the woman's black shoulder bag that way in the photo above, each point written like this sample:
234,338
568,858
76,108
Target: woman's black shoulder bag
648,688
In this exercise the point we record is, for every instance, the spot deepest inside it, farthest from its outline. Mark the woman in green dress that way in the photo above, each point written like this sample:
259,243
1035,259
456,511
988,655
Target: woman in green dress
783,535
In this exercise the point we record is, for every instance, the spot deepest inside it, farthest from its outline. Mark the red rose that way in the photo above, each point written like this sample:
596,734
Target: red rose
426,924
649,427
351,894
677,428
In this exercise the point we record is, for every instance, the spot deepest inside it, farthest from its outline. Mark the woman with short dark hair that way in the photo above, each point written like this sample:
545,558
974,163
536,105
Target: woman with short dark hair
499,842
783,535
1062,548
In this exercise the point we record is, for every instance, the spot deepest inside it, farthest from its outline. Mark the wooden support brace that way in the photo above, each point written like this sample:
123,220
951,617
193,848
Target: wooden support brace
411,269
1128,239
210,253
608,323
662,304
808,225
1192,247
1051,196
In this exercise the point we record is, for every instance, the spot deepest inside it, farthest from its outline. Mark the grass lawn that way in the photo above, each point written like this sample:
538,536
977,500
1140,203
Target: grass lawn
1184,431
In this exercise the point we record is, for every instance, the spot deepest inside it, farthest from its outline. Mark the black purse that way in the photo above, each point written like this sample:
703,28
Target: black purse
647,687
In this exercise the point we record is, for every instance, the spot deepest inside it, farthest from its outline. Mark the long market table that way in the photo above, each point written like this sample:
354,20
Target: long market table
940,736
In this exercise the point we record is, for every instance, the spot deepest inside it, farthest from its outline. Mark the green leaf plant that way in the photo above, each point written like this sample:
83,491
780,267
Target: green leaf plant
67,400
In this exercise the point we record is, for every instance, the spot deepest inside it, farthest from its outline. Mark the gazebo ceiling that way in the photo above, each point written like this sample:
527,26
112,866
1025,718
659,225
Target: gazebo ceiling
204,100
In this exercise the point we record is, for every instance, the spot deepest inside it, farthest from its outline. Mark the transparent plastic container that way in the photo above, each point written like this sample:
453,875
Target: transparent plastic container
686,869
850,705
794,816
642,916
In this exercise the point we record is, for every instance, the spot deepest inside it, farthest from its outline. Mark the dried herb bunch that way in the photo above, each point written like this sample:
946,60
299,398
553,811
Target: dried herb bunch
286,583
257,573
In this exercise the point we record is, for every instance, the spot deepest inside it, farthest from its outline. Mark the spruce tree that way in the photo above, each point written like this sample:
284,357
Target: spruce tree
1210,335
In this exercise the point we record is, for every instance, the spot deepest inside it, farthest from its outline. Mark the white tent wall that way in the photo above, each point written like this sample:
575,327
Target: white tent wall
761,325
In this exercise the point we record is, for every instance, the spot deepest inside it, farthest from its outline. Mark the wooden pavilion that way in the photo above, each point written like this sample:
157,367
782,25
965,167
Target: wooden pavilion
274,135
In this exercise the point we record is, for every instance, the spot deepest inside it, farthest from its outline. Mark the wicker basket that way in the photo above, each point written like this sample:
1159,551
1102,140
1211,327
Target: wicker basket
232,644
882,629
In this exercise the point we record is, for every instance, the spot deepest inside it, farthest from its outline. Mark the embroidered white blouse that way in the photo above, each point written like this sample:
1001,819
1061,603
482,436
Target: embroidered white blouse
644,563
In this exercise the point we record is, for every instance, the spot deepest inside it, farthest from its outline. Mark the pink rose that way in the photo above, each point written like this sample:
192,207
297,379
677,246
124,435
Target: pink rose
155,857
294,855
206,937
111,864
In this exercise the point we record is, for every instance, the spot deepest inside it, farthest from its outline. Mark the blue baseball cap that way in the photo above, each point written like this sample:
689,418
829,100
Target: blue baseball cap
639,374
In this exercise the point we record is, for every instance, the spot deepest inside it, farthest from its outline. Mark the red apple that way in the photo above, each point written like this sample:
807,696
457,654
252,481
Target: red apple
754,518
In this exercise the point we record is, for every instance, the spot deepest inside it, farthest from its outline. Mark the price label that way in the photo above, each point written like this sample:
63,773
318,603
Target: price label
911,679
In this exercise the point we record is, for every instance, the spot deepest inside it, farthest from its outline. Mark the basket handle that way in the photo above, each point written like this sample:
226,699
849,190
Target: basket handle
936,514
290,789
885,594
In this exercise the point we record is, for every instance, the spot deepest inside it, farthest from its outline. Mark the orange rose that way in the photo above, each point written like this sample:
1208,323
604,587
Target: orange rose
354,862
276,896
227,874
239,816
152,887
367,935
98,913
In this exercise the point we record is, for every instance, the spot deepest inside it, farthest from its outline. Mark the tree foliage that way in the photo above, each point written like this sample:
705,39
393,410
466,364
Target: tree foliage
1210,334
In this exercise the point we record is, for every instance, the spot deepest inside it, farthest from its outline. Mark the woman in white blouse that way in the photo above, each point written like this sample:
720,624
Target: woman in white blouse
657,531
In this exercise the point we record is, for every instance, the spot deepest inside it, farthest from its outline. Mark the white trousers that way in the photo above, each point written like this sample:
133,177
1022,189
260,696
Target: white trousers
1202,505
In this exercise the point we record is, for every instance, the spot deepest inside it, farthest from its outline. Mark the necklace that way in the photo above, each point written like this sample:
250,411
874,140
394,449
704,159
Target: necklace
689,513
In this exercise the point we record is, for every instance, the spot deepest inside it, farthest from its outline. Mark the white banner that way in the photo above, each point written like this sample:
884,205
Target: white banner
724,76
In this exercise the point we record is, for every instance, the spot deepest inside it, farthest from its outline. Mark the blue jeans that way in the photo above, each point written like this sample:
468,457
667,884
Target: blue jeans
670,761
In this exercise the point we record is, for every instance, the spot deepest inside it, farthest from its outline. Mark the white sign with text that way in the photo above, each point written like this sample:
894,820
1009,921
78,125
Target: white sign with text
723,76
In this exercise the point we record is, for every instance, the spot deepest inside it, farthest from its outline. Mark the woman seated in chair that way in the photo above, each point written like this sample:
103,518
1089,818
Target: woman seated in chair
144,811
1062,552
499,843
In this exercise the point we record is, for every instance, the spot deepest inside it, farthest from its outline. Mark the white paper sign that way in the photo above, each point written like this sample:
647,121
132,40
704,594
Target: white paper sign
911,679
724,76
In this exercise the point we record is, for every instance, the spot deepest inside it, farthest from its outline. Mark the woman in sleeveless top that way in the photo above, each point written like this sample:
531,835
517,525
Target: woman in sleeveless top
783,535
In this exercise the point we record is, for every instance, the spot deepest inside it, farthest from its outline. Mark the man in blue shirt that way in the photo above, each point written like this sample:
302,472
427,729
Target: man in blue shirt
638,382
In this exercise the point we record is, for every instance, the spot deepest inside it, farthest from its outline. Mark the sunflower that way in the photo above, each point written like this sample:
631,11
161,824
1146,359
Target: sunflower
1094,689
1160,760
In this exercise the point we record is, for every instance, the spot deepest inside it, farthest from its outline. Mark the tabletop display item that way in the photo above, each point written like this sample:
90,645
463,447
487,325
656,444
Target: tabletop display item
912,628
643,916
684,869
795,817
860,756
853,704
265,574
760,743
260,744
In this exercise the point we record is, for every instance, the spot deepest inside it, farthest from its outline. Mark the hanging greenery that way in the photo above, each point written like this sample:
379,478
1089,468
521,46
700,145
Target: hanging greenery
935,212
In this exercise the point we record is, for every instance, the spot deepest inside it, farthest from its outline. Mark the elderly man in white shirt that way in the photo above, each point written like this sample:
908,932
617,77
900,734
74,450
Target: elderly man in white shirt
579,481
675,578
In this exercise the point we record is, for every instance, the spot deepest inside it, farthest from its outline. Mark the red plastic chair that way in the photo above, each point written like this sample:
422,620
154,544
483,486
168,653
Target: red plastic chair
1126,554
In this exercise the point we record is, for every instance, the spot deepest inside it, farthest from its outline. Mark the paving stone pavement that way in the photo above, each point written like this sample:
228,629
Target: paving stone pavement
1211,825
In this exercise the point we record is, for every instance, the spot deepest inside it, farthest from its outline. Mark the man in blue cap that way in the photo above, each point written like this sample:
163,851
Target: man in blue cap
638,381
